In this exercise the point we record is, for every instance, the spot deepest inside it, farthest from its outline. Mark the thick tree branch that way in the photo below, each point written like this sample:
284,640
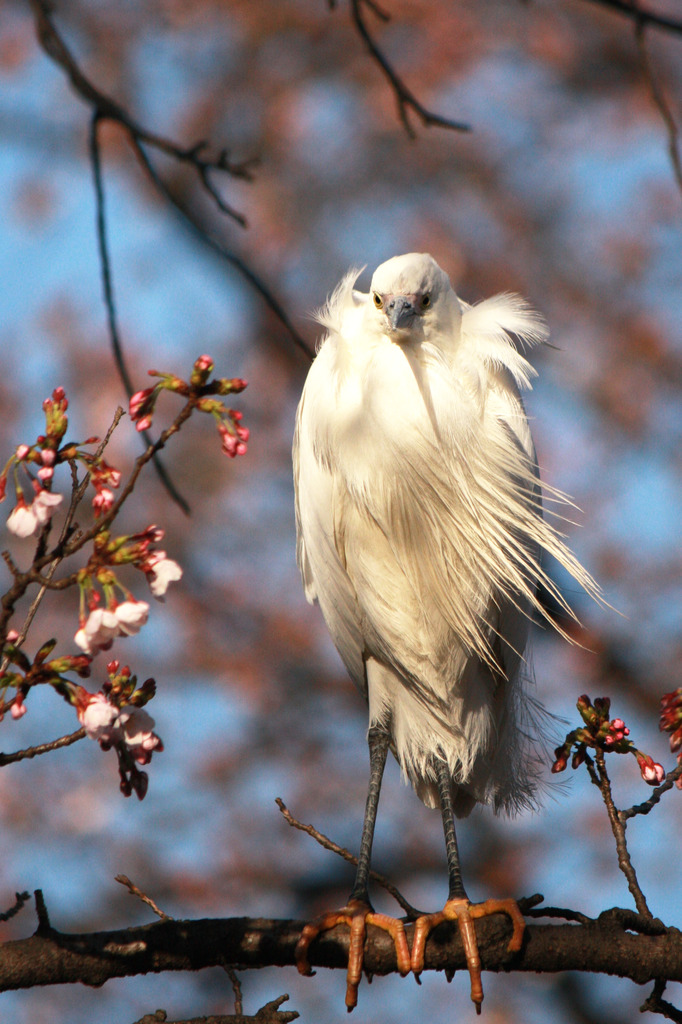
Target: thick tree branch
604,946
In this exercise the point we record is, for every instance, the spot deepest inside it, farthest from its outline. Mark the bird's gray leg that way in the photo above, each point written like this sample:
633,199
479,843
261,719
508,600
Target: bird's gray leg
458,908
358,912
456,889
378,740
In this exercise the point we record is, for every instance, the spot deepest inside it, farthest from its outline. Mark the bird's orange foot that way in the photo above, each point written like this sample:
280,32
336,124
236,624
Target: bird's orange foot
357,915
464,913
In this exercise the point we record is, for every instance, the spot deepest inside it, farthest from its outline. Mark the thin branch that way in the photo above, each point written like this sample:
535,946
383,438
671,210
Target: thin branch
618,829
658,96
405,97
105,108
648,805
237,989
21,899
566,915
109,303
135,891
655,1004
329,844
43,748
226,254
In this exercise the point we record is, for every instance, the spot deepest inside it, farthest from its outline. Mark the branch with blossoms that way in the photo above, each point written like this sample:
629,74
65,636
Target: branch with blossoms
109,609
604,735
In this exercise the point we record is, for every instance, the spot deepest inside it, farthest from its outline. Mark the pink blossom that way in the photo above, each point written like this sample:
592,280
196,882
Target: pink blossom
162,571
47,457
22,452
44,504
98,717
98,632
45,473
137,726
22,520
103,501
110,726
131,616
25,520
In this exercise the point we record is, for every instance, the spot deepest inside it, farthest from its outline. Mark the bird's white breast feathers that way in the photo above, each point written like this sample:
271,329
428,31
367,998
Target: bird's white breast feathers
420,530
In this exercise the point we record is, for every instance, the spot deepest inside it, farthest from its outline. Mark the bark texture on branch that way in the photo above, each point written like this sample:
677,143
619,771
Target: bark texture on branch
604,946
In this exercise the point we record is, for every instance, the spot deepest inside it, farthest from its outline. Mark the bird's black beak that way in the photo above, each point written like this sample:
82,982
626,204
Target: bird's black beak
400,311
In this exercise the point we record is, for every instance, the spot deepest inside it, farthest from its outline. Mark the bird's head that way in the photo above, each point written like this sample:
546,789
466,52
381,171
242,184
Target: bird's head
411,299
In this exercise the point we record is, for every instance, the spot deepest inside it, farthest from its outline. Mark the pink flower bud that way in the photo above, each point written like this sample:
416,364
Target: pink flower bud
652,772
138,401
143,424
18,709
22,451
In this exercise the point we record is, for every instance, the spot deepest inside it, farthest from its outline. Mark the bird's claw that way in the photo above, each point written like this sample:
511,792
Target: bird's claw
357,914
464,913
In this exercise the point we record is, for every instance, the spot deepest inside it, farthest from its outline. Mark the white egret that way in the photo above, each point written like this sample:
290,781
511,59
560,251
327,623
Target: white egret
420,533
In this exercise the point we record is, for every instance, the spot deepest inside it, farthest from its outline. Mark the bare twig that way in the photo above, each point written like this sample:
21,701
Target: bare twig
618,828
135,891
21,899
237,989
405,98
329,844
42,748
566,915
217,246
658,96
648,805
105,108
44,926
655,1004
109,303
268,1014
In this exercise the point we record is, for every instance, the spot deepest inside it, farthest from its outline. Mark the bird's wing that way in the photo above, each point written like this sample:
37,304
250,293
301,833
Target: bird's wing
320,502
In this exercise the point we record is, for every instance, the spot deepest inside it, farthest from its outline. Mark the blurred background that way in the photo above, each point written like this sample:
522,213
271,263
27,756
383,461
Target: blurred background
564,192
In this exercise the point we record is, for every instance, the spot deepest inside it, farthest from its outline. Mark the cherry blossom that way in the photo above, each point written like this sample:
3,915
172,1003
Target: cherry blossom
22,520
44,504
98,632
161,571
98,718
103,501
129,728
138,735
131,616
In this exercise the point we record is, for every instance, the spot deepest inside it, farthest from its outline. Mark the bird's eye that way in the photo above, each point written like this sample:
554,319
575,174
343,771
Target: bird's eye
426,301
377,300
